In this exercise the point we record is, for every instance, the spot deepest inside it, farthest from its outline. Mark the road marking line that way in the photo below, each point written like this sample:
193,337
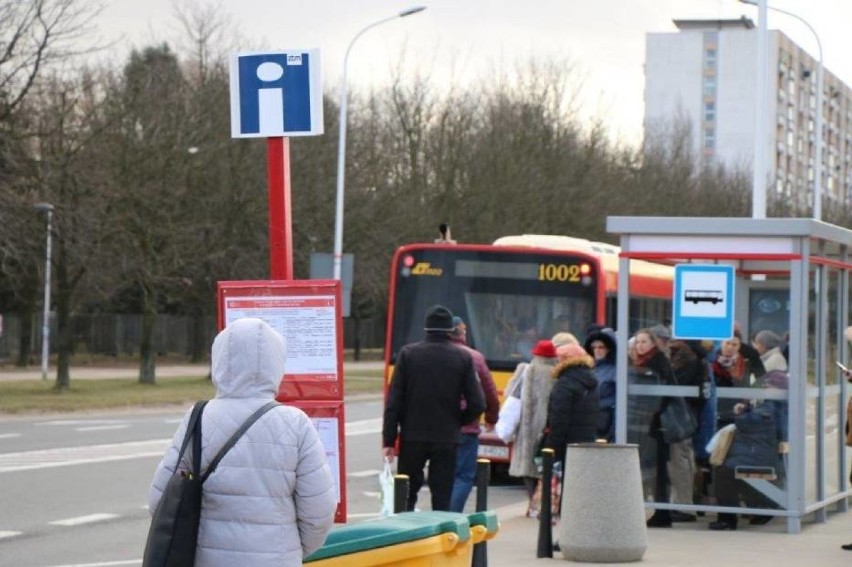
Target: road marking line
64,422
105,563
361,474
372,494
9,435
9,534
81,455
363,427
65,456
84,520
363,515
102,427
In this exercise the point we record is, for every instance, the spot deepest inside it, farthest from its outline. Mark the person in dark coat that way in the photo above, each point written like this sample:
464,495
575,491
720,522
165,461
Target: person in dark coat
650,360
572,412
689,369
423,410
600,344
760,441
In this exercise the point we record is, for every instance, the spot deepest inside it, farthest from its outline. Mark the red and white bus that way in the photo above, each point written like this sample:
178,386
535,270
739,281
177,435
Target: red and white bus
514,292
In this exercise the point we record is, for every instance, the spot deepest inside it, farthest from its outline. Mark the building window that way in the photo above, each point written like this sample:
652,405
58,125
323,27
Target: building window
709,111
710,58
709,138
709,86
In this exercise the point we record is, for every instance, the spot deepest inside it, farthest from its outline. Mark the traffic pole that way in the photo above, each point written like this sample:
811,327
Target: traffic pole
545,525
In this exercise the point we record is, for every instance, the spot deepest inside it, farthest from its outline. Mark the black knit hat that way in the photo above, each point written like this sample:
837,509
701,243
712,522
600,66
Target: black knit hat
439,318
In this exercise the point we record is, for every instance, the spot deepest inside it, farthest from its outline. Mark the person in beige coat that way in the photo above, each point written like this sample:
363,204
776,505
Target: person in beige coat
536,383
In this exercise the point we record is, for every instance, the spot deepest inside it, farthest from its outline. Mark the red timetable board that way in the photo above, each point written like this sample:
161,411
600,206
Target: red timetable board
308,314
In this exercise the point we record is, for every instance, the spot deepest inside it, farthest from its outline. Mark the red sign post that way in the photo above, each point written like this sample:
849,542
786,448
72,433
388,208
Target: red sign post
280,225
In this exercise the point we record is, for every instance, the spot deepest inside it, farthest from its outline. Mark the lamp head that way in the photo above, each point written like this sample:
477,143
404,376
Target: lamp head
411,11
43,207
750,2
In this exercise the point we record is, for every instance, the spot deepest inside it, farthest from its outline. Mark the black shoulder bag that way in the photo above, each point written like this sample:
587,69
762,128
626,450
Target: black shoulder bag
173,535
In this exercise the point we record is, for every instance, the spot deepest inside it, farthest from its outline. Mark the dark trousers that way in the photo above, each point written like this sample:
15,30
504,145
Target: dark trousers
413,456
662,485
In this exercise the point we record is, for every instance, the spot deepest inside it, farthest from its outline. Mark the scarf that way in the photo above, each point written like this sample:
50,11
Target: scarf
643,359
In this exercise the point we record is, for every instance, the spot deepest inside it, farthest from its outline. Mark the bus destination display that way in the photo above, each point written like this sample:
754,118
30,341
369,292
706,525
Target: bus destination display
535,271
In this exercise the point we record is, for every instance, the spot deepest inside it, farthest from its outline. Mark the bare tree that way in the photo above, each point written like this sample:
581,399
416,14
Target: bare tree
33,35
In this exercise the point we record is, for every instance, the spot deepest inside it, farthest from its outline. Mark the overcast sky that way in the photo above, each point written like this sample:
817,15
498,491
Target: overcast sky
466,38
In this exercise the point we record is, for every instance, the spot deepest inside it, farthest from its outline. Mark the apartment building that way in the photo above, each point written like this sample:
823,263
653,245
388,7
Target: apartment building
706,73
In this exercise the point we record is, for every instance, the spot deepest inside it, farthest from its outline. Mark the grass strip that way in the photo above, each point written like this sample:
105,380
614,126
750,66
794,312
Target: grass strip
33,396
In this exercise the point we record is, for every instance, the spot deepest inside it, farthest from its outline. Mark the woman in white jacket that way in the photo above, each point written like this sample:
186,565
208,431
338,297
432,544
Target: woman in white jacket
271,501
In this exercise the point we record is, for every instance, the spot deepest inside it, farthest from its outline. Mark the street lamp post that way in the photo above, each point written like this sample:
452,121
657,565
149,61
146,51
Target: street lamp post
817,208
46,208
341,148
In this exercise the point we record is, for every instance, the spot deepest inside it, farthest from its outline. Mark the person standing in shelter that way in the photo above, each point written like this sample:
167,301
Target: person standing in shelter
600,344
768,345
271,501
751,356
468,448
423,410
689,368
651,360
733,369
535,381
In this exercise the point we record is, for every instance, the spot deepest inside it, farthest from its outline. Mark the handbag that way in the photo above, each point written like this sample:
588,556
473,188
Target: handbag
509,418
677,421
173,534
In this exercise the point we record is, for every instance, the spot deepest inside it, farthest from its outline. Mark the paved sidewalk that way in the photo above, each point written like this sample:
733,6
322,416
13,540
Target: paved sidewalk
694,544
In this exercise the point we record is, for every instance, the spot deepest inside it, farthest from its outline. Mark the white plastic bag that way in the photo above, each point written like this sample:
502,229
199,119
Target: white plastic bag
386,486
509,420
719,444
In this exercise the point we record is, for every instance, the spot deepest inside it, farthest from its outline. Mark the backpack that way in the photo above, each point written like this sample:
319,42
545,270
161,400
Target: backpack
173,535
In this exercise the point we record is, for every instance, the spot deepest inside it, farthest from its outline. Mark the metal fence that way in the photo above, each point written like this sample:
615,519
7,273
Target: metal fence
119,335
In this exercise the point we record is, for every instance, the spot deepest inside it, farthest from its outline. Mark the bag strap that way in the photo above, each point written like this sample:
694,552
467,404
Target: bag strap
236,437
193,431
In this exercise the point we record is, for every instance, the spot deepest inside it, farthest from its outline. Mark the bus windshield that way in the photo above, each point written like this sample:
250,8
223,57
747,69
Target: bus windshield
508,299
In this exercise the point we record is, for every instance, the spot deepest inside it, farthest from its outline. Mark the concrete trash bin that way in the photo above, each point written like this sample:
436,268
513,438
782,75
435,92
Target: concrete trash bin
603,515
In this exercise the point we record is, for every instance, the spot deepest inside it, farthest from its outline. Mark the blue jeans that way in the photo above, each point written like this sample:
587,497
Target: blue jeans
465,471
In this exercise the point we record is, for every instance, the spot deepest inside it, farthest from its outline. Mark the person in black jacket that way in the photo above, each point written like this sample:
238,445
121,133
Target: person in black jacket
423,408
651,361
572,412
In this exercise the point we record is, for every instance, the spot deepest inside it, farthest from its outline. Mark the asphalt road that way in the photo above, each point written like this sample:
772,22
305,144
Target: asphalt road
74,487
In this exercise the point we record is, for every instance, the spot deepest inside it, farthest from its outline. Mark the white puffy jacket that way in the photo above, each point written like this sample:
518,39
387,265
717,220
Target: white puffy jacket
271,500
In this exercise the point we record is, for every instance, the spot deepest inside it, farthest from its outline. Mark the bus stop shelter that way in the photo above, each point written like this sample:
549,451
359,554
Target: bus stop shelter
792,277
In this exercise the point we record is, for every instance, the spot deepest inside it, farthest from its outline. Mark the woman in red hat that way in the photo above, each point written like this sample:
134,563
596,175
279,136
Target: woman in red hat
531,383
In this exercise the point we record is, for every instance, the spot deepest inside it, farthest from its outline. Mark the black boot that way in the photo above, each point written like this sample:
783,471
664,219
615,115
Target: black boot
660,519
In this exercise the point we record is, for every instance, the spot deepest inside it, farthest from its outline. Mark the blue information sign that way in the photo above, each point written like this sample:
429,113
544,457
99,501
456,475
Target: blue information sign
703,302
276,94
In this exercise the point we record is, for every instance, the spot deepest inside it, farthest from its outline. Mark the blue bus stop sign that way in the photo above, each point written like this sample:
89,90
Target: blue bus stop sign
703,302
276,94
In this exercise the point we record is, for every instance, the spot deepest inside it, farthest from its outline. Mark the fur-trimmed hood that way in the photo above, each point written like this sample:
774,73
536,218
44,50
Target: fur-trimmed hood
584,361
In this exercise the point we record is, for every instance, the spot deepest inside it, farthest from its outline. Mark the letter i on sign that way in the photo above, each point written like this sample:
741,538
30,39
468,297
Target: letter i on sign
270,101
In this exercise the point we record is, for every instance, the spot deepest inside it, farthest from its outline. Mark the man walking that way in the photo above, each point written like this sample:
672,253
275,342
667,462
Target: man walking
429,380
469,446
